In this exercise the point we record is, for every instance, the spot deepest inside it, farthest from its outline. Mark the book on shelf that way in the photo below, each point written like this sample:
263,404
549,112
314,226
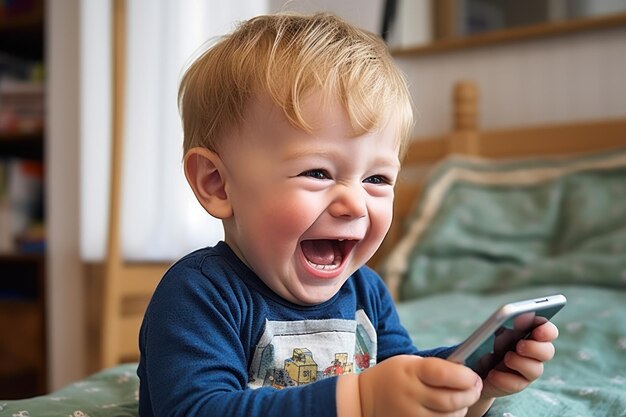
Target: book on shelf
21,107
21,206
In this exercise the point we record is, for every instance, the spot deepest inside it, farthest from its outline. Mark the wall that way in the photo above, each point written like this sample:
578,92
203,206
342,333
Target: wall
552,80
364,13
64,275
558,79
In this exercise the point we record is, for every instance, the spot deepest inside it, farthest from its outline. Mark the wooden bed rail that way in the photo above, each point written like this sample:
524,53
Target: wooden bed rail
467,138
424,152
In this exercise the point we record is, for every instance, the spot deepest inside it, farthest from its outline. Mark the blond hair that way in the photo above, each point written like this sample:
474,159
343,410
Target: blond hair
289,56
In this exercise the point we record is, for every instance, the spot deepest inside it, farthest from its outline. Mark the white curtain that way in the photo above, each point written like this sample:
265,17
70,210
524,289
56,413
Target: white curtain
95,126
161,219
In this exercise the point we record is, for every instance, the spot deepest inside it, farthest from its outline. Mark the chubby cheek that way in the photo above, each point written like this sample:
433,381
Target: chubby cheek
381,214
285,221
267,239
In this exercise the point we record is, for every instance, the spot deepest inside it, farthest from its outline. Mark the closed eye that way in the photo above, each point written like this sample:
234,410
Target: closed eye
378,180
318,174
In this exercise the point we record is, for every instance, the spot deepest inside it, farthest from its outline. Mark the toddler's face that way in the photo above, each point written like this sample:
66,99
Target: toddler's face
308,209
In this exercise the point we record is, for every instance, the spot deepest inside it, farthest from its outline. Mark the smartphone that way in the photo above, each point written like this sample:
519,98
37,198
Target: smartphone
484,349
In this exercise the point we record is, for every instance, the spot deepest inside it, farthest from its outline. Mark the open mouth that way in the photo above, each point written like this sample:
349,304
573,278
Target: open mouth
326,254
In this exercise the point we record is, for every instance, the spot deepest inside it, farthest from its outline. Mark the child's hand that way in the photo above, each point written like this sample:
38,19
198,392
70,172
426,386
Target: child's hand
523,366
414,386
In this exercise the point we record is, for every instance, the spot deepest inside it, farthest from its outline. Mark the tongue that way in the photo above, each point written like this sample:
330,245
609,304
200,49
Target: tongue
320,252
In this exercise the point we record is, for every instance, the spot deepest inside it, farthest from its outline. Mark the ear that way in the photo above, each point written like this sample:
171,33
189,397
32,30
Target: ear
204,171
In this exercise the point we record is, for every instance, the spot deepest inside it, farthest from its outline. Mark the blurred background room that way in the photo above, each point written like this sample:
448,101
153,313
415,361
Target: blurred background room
92,194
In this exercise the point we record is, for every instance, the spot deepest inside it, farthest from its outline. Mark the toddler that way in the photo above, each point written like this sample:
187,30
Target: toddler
294,128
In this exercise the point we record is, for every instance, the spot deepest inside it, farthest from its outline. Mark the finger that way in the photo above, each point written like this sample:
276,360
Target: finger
504,383
547,332
442,400
541,351
440,373
528,368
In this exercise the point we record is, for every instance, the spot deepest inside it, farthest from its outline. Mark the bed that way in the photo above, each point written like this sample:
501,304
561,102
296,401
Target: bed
481,218
508,215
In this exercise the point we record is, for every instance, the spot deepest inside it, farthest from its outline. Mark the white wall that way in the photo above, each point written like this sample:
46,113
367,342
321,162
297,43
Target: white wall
560,79
363,13
96,112
65,295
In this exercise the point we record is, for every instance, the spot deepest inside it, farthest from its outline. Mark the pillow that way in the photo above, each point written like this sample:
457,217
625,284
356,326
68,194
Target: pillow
485,226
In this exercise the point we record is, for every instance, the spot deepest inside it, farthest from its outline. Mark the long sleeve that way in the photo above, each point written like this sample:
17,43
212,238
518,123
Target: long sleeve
216,341
393,339
195,353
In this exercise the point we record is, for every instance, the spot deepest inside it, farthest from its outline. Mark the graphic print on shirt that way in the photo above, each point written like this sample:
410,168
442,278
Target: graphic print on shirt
293,353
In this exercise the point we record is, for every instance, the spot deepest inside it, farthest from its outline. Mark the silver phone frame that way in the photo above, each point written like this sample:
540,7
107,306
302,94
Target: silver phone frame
499,317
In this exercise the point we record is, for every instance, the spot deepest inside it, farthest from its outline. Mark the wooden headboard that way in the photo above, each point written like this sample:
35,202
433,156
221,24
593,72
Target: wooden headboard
467,138
117,290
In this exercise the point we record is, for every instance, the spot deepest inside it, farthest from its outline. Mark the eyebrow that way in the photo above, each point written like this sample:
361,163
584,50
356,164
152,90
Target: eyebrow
307,154
391,162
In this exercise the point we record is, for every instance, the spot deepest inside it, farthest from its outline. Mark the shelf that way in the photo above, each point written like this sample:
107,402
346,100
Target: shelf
23,345
505,36
21,257
22,318
23,368
22,43
21,280
13,385
28,146
22,31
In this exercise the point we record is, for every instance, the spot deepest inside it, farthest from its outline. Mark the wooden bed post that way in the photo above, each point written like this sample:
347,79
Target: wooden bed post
112,303
464,137
126,285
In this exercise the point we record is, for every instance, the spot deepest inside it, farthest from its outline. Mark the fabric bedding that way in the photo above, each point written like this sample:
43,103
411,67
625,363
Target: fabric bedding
486,233
113,392
586,378
487,226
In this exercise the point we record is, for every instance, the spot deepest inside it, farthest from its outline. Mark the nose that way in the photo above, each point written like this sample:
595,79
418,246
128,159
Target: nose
348,202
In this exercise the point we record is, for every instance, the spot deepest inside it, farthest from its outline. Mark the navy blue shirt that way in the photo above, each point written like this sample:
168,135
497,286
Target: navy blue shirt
216,341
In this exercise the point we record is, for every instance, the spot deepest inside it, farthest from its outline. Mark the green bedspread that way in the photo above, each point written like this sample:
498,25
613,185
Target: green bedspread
586,378
484,227
486,233
110,393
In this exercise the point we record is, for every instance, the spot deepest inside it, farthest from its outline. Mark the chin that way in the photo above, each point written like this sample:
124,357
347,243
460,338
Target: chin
314,297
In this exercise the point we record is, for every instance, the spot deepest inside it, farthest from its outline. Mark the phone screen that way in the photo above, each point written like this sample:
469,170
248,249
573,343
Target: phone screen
491,352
